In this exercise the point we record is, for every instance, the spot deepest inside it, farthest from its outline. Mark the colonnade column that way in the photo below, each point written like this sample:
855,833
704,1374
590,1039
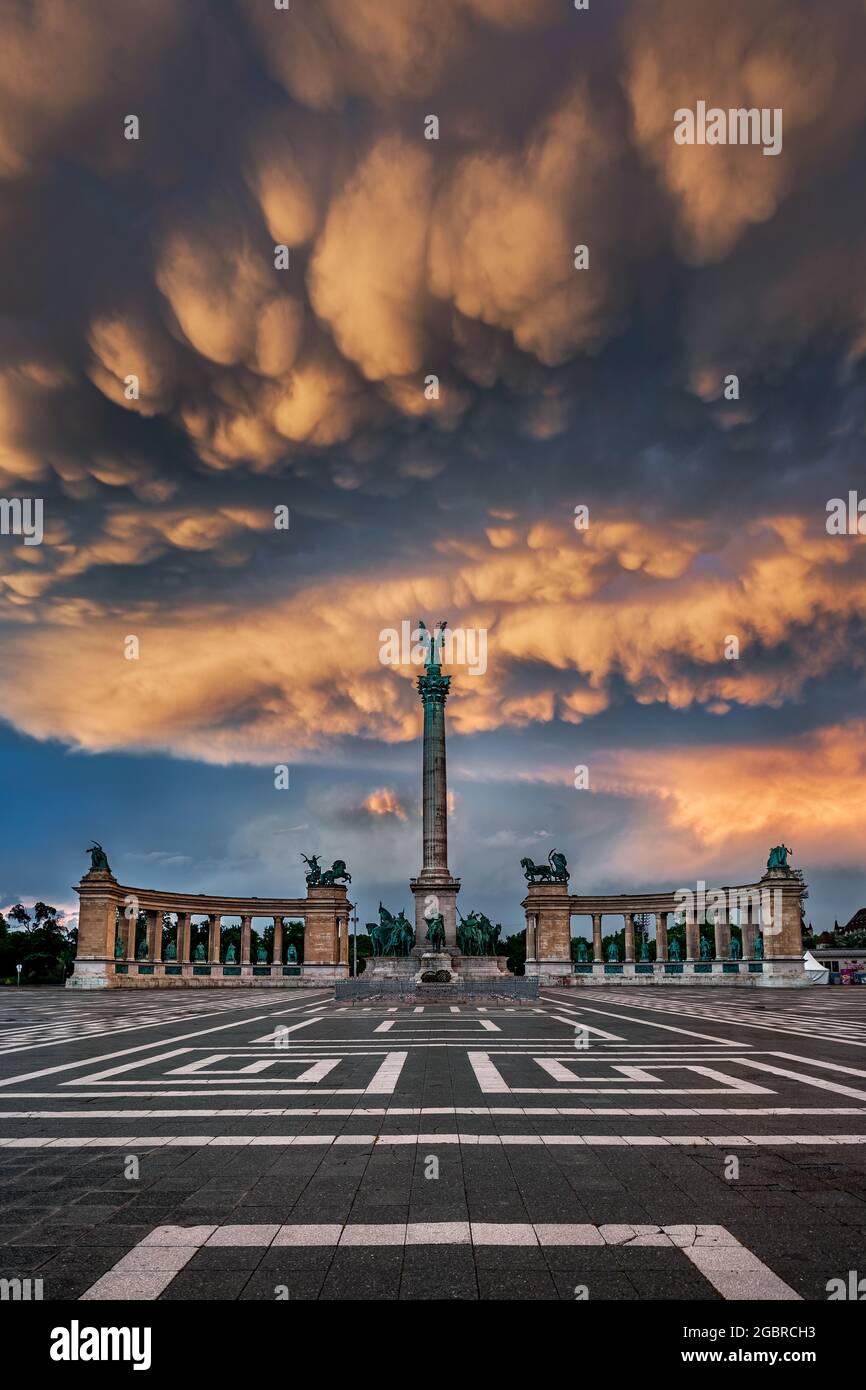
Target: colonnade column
661,936
213,932
183,937
722,932
748,930
246,940
597,947
154,935
131,931
277,953
629,935
693,936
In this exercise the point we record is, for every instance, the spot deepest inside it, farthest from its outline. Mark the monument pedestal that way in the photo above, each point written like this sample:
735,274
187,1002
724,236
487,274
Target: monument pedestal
435,891
436,969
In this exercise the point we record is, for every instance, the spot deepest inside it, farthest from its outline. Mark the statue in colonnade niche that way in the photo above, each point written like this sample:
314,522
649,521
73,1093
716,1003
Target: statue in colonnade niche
674,950
198,953
706,953
644,949
759,946
171,951
292,954
261,956
581,951
736,949
118,949
231,955
613,953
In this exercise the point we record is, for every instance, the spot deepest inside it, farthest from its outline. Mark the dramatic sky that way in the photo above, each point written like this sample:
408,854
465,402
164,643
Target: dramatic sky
304,387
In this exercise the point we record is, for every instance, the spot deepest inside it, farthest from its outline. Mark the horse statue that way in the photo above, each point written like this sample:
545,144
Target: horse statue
337,870
435,933
98,858
403,938
381,936
476,934
554,871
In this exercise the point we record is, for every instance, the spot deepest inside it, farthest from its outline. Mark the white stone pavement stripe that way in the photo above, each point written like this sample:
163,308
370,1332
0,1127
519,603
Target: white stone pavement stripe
635,1141
727,1265
737,1018
817,1081
648,1022
307,1111
144,1047
152,1023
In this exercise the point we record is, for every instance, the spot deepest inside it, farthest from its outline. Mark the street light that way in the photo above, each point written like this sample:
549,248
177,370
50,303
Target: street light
354,921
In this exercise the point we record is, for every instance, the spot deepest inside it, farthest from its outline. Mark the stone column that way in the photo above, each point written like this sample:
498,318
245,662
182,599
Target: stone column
597,948
277,954
629,935
322,946
213,935
661,936
693,937
531,936
748,930
154,935
97,914
246,939
722,933
549,904
183,937
781,927
434,887
131,930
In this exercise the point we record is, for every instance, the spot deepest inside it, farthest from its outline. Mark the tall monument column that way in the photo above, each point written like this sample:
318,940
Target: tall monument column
435,889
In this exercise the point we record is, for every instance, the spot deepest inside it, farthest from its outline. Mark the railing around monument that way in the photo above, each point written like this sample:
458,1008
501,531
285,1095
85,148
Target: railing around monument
520,989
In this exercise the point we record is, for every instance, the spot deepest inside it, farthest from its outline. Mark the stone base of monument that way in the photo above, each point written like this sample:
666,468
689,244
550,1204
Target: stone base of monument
482,967
436,968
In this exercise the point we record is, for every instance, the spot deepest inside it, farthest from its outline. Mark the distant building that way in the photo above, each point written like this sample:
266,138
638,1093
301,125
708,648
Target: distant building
858,921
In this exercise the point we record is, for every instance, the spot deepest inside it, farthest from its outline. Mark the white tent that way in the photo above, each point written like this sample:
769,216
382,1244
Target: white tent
818,973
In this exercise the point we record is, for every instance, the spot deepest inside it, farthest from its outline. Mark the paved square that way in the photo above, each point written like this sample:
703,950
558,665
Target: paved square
276,1145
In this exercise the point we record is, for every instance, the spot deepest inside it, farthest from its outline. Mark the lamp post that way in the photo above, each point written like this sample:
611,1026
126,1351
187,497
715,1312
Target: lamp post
354,920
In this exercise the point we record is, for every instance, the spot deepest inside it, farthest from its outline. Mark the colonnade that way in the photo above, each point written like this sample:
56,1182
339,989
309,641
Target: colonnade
766,911
109,914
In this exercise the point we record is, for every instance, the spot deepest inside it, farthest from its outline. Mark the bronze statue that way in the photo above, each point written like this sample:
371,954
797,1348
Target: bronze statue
779,857
555,871
435,933
314,873
434,642
98,858
316,878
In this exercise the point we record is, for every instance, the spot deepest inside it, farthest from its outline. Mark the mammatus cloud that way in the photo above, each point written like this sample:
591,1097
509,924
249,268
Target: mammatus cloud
740,55
792,601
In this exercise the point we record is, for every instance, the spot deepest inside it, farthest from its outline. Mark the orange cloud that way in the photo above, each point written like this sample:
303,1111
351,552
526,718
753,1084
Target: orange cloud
547,605
385,802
